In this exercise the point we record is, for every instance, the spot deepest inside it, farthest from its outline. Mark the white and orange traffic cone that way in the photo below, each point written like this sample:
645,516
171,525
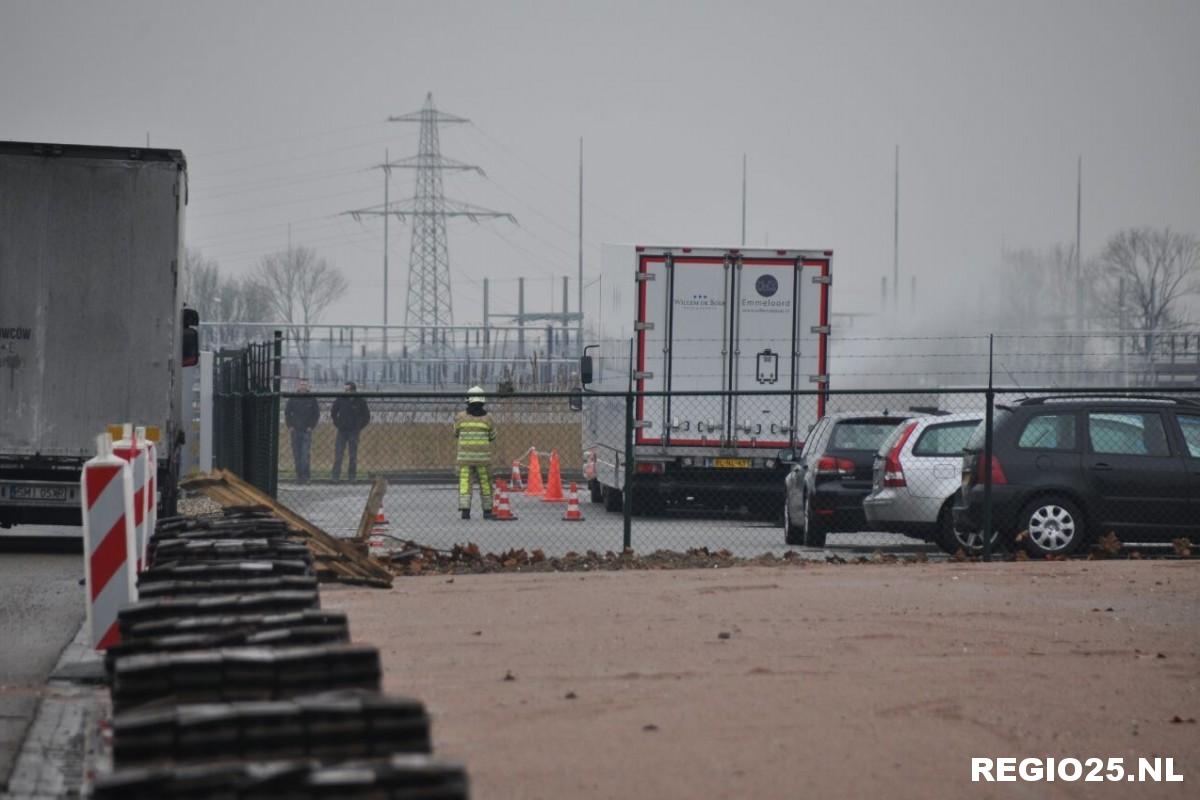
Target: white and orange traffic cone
554,487
500,508
376,544
573,513
515,480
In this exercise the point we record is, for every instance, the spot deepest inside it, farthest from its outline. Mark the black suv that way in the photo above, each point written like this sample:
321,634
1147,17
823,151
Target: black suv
1068,469
832,474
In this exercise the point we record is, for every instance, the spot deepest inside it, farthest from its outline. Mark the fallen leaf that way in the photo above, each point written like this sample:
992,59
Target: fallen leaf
650,727
508,676
724,635
1183,547
570,695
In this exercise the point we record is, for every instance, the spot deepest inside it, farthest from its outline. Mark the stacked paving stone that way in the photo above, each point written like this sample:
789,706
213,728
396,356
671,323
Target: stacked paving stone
231,681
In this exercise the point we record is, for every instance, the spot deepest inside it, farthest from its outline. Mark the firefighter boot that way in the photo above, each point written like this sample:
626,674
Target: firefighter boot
466,513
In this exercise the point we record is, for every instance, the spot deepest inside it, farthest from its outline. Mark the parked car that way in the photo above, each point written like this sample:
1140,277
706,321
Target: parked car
917,476
1068,469
825,487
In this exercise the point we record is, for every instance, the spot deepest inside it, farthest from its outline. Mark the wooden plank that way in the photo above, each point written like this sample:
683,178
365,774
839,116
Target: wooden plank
336,556
374,503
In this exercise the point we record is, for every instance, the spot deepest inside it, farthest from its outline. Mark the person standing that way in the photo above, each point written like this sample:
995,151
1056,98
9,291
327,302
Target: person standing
474,433
301,415
350,415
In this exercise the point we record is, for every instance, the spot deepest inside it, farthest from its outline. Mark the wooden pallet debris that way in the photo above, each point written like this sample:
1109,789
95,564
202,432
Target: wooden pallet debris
374,503
336,559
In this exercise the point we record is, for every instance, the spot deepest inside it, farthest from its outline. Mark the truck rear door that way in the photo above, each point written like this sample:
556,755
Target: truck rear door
714,321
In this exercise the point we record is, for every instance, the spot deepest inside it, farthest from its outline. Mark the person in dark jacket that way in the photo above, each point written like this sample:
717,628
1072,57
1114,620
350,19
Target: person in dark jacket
350,415
301,415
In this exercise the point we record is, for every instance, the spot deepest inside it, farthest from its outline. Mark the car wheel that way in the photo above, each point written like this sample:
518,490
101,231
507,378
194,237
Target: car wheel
791,534
814,529
1053,526
951,540
597,491
612,499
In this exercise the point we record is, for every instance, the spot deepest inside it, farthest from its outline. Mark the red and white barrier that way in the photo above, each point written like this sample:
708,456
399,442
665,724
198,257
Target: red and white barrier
109,541
132,448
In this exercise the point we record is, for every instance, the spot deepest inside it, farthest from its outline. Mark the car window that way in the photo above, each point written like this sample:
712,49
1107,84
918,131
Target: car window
814,436
1191,433
888,443
1049,432
1127,434
860,435
944,440
979,433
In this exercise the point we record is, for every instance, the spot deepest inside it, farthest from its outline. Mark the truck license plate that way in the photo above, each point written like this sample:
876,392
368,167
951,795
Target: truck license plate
19,493
732,463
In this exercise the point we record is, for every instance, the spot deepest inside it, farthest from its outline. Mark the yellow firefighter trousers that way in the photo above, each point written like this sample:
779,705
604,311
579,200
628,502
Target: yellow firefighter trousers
464,485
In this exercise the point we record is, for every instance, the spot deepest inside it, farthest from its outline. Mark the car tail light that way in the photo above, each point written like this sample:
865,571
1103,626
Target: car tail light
998,477
648,467
828,465
893,473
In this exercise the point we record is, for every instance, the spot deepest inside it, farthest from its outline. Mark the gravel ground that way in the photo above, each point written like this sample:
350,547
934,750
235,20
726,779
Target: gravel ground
827,680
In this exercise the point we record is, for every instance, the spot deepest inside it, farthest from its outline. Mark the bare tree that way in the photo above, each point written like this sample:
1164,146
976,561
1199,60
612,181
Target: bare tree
223,299
1145,275
200,279
300,286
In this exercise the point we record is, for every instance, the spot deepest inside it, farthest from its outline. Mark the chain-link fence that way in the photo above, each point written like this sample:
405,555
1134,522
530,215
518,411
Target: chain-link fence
754,472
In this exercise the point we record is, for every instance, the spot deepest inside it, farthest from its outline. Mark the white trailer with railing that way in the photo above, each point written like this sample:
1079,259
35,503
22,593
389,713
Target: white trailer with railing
693,331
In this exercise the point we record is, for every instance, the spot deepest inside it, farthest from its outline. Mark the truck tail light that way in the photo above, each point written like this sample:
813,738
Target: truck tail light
828,465
893,473
648,467
998,477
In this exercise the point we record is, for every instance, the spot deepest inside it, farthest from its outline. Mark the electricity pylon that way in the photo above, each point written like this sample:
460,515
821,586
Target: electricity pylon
429,308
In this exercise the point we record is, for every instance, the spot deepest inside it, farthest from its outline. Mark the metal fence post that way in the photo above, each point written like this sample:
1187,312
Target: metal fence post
989,400
273,415
627,494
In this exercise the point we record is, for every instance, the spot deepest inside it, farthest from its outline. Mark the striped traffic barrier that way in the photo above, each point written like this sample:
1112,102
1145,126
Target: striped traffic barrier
152,487
132,448
109,541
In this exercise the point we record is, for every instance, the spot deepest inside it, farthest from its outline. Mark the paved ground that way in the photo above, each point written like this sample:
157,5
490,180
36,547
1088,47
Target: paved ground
41,609
816,680
428,513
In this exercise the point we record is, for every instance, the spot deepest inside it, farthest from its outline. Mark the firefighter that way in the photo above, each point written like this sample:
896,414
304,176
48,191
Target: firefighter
475,433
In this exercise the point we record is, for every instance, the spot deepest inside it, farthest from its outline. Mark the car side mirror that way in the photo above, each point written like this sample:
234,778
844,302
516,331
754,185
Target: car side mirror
585,370
787,456
191,337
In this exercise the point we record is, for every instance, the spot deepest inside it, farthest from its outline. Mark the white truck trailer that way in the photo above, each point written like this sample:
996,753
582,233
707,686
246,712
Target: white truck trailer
691,327
91,327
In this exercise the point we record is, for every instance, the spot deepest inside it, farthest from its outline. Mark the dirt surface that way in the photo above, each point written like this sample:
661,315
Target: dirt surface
874,680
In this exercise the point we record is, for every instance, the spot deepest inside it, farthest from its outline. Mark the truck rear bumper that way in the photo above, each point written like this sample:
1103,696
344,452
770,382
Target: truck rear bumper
700,483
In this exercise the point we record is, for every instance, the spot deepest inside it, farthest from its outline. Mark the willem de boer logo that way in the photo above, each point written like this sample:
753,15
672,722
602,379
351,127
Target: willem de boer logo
766,285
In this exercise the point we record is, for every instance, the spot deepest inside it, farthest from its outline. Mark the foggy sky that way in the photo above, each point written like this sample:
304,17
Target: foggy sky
280,108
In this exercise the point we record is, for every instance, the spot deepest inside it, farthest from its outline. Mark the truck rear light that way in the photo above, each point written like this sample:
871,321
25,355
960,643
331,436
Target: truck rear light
998,477
893,473
828,465
648,467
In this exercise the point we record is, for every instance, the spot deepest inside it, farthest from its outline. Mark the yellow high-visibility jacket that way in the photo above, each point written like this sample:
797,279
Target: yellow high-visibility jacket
475,436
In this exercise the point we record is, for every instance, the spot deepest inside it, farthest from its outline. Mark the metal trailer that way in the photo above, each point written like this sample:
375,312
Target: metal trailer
91,243
696,329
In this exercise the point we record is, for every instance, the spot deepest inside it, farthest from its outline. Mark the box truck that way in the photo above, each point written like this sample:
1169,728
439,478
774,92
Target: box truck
694,332
92,331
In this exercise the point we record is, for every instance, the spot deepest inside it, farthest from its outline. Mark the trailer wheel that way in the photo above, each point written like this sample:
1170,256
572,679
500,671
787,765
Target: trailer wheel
612,499
597,491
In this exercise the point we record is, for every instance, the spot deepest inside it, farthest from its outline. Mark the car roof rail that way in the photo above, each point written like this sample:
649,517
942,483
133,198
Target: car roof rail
1131,397
932,411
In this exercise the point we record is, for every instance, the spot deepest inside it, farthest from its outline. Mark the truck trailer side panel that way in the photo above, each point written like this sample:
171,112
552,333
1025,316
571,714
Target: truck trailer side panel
89,325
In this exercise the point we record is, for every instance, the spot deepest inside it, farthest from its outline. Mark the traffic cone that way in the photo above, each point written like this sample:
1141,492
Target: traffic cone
515,481
500,507
554,490
573,513
376,544
534,487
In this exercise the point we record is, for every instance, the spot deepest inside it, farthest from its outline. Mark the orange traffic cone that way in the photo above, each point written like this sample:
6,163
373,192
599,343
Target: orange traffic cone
534,487
554,490
381,518
573,513
500,507
515,481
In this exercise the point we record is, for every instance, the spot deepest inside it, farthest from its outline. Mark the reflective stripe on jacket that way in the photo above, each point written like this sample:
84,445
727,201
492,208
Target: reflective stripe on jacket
475,436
